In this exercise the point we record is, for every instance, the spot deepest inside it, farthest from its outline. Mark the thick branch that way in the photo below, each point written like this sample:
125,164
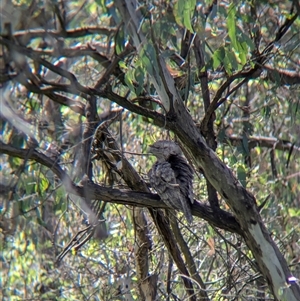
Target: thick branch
283,77
267,142
220,219
270,261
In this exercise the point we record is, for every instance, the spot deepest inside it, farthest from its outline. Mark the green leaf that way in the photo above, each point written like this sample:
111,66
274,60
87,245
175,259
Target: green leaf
60,200
241,174
243,38
231,25
230,62
139,75
129,80
184,11
267,111
92,8
44,183
189,7
100,3
293,212
218,57
243,51
120,40
148,59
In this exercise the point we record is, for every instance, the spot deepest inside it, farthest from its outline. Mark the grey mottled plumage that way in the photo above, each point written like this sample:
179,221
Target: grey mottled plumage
172,177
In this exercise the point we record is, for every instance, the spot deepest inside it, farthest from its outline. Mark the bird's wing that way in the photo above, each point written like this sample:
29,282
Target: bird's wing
184,176
162,179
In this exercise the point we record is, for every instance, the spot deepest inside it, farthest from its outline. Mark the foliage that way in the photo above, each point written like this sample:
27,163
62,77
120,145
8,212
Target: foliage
72,82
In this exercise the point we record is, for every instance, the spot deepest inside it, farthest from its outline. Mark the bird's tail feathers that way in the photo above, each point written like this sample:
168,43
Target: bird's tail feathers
186,208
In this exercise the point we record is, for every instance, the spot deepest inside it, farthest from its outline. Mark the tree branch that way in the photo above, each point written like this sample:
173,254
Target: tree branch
282,77
71,33
267,142
220,219
251,72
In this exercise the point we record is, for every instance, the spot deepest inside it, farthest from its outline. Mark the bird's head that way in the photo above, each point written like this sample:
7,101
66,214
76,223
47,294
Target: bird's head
163,149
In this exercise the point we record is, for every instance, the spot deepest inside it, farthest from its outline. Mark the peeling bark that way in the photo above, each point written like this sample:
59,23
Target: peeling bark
243,204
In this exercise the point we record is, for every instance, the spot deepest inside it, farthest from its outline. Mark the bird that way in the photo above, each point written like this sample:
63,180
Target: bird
172,177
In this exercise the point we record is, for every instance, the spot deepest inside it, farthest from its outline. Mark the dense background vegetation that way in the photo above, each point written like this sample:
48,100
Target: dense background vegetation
79,104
